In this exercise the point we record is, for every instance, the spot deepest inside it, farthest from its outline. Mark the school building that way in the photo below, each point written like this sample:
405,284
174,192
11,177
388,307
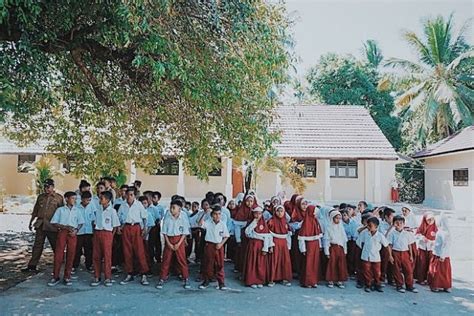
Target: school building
449,165
345,155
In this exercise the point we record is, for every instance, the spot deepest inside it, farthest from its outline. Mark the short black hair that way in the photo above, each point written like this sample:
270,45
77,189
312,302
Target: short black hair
387,211
344,212
176,202
195,203
107,195
148,192
142,198
123,186
342,206
84,184
137,183
99,184
364,203
216,208
156,193
365,217
86,195
397,218
132,189
374,220
68,194
204,201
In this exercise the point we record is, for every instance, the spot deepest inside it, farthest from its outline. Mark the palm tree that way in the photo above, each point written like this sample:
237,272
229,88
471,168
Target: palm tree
440,97
372,53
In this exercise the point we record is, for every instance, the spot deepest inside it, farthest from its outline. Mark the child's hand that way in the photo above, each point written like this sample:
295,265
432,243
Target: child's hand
411,258
328,256
218,246
441,259
143,232
270,250
119,230
264,253
303,253
391,259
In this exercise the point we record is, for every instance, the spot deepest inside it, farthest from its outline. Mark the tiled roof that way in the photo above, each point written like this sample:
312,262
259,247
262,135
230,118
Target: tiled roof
9,147
460,141
331,132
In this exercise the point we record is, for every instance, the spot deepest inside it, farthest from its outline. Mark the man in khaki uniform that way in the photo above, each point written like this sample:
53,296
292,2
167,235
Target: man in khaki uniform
46,204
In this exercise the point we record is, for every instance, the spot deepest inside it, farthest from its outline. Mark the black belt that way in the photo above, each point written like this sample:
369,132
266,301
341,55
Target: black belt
128,224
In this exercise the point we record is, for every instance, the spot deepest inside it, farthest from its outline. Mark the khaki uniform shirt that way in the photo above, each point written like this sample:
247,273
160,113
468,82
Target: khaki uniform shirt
45,206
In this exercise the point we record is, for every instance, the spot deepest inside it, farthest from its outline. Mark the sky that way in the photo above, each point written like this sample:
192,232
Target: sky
341,26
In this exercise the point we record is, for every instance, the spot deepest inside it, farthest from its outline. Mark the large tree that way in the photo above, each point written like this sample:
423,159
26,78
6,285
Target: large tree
437,95
337,79
106,82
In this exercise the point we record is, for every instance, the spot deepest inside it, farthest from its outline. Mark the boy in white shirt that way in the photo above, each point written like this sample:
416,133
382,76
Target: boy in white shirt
84,235
133,220
175,229
216,236
68,221
371,242
105,224
400,242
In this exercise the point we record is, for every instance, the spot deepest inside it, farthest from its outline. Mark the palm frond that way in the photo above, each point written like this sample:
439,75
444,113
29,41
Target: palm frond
373,53
404,99
405,64
421,49
460,45
455,63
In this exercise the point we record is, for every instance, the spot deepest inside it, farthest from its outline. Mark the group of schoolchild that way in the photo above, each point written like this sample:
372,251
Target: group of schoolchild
268,244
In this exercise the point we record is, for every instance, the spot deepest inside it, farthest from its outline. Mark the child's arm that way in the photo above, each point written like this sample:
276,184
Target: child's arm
221,244
168,243
181,240
390,258
410,249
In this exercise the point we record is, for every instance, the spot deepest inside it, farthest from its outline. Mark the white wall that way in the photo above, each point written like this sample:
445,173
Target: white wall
439,189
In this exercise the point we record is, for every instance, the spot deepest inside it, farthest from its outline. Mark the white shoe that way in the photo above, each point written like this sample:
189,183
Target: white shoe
68,282
254,286
144,280
271,284
54,282
95,282
108,283
127,280
259,286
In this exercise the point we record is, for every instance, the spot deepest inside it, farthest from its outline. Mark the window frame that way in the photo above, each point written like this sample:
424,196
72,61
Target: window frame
305,163
464,182
346,165
19,169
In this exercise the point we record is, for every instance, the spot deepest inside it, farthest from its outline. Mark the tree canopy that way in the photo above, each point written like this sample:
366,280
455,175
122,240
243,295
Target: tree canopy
337,79
106,82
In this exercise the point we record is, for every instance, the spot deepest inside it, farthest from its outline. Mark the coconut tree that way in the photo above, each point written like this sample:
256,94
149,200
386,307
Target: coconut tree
440,97
372,53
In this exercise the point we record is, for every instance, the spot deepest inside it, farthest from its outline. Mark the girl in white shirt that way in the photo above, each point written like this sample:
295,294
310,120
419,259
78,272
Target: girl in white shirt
335,249
439,273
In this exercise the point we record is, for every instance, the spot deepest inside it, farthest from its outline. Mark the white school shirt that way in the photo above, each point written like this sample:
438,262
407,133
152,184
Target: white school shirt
372,245
215,232
88,213
176,226
384,227
411,222
151,218
228,220
400,241
119,201
442,244
160,211
106,219
194,219
132,214
67,216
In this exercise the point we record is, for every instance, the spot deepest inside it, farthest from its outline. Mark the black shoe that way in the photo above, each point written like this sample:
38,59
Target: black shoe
367,289
29,269
359,285
379,288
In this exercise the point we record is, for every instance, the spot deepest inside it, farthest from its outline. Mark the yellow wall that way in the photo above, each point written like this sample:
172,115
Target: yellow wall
12,181
439,189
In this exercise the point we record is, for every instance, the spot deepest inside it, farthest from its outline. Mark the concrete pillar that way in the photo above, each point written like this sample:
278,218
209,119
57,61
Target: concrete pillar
377,190
180,190
228,178
133,172
326,178
278,186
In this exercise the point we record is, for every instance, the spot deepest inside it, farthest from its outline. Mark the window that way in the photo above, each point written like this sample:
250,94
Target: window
168,167
218,171
23,161
461,177
309,168
343,169
68,165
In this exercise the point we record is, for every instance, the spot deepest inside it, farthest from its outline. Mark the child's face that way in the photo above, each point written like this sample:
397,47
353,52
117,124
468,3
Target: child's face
345,217
361,207
104,201
216,216
145,203
175,209
337,219
389,218
405,211
205,205
231,205
350,211
372,227
430,221
155,199
194,207
130,197
107,183
100,189
84,189
85,201
123,193
275,202
304,205
188,206
267,206
249,202
257,215
399,225
71,200
280,212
